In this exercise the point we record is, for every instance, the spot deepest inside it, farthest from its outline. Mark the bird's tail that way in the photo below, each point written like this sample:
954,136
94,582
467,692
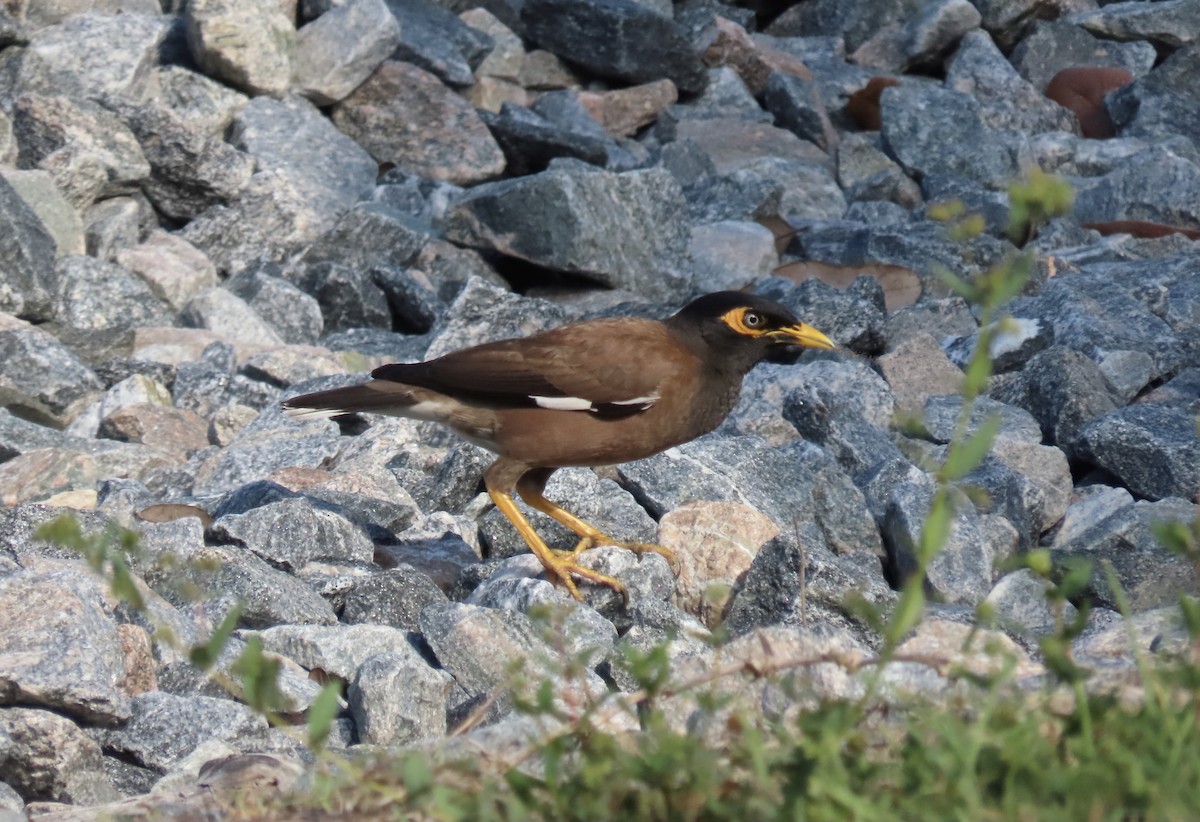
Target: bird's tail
376,397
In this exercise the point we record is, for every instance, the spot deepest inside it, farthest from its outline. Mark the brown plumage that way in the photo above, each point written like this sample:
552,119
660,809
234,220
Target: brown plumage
592,393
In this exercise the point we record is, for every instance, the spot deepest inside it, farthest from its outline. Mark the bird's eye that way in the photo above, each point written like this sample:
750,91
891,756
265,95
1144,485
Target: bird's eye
753,319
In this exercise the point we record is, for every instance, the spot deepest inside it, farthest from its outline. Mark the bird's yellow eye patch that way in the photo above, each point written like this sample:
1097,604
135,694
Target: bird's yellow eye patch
746,321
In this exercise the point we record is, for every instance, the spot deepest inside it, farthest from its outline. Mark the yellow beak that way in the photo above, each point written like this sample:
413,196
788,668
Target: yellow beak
801,334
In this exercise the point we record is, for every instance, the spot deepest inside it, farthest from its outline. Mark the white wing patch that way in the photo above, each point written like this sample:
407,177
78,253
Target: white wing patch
580,404
563,403
312,413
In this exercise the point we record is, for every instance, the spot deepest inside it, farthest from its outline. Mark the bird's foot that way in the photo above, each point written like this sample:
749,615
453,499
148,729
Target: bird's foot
564,565
639,548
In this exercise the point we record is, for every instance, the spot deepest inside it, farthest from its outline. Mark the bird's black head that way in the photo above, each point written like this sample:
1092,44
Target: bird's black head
736,330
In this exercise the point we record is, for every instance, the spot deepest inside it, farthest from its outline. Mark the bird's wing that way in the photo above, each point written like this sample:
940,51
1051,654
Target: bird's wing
599,366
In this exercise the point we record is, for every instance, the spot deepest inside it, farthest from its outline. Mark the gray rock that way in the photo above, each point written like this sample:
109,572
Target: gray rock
366,236
1162,103
1007,101
1063,390
207,104
48,758
585,635
11,801
841,401
59,217
228,316
908,245
1181,391
742,194
336,649
405,116
62,650
1116,307
1020,603
222,577
86,149
1026,483
867,174
252,455
961,572
247,45
854,24
165,728
338,50
414,301
398,699
63,57
940,418
1173,23
530,141
394,597
1012,345
295,140
797,106
111,227
41,378
618,39
640,247
1106,525
932,130
292,533
1156,185
936,29
729,254
1153,450
436,40
482,647
18,435
190,168
27,252
293,315
95,296
795,581
1054,45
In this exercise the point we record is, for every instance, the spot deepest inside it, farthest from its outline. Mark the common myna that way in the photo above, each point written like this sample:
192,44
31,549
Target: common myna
599,392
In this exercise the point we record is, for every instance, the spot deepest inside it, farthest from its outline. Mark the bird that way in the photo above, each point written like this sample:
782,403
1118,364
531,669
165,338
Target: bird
592,393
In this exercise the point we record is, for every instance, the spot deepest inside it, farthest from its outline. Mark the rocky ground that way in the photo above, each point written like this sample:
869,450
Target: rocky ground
210,205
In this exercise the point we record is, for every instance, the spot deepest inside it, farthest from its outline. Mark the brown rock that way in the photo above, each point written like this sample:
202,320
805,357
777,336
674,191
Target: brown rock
139,660
44,472
753,61
46,757
625,111
60,648
174,431
714,544
543,71
405,115
1082,89
918,369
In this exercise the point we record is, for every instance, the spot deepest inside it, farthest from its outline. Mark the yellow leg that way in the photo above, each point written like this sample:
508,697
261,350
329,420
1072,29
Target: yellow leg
558,566
589,535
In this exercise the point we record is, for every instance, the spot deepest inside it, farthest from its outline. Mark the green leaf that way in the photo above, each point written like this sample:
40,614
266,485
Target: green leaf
259,674
907,614
418,778
966,455
204,656
322,713
123,586
937,527
956,284
1190,606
